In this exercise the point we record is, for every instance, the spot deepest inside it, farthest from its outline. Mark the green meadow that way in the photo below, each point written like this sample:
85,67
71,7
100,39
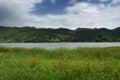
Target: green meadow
60,64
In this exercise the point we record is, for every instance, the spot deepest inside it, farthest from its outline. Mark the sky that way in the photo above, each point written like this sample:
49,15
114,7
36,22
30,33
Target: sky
69,14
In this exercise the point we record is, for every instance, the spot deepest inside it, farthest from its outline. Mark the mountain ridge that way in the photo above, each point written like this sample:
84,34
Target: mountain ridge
31,34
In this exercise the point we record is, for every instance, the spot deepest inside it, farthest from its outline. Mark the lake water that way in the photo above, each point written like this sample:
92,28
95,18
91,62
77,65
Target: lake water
60,45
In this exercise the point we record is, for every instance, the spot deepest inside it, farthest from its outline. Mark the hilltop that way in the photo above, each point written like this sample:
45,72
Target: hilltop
32,34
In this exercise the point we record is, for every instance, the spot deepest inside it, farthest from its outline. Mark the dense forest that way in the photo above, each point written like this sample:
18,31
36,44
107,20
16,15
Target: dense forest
32,34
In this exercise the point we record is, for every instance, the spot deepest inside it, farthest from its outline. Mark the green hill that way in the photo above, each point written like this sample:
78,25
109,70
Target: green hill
31,34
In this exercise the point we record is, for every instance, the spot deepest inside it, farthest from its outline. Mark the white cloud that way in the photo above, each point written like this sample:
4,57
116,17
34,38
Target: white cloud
53,1
84,8
89,0
104,0
15,12
72,1
81,14
115,1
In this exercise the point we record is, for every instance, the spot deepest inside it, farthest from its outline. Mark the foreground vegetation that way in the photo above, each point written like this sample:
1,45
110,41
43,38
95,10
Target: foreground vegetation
60,64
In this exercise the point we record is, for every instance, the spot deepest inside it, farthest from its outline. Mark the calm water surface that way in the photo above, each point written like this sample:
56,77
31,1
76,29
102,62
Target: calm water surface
60,45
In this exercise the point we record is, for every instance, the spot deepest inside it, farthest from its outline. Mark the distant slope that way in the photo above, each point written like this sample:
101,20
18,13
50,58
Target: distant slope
31,34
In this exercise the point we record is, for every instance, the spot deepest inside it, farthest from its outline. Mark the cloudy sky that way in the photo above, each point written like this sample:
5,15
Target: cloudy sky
60,13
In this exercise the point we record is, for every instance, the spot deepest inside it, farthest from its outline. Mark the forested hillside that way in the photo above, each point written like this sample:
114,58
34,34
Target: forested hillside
31,34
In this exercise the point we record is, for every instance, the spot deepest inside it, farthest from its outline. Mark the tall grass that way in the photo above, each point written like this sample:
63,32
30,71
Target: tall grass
60,64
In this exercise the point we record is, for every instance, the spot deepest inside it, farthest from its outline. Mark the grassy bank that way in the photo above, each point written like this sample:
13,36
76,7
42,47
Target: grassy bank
60,64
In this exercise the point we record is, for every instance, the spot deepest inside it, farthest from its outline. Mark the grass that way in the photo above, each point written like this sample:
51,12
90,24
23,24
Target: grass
60,64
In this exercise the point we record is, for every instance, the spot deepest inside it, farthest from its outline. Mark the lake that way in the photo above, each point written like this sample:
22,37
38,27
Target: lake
67,45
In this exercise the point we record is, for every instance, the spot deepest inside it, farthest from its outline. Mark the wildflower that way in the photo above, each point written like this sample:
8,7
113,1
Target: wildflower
33,63
62,64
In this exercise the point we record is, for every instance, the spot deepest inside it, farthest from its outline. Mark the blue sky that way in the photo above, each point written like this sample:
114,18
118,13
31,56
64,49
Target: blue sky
58,6
60,13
